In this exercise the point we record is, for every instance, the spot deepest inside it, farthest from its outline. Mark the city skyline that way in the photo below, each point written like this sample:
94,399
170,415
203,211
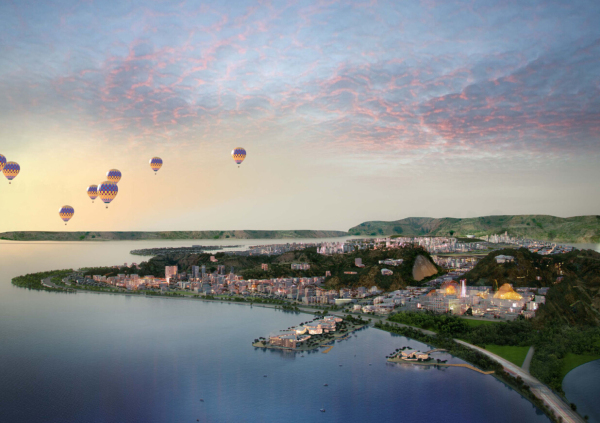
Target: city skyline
348,112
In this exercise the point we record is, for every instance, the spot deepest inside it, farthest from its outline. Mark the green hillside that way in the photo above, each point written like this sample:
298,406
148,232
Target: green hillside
173,235
541,227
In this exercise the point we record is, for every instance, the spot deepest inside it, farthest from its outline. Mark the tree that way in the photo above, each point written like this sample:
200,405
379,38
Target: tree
451,233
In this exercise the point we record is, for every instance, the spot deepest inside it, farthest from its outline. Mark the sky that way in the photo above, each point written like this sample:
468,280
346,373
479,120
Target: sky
348,111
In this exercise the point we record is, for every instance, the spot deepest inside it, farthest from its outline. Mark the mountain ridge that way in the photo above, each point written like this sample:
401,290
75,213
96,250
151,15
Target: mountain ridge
541,227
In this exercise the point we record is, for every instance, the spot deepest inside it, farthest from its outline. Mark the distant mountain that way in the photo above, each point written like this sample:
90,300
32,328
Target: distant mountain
541,227
174,235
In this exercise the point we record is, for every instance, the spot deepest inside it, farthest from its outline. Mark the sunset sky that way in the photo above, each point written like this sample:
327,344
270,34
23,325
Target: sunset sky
349,111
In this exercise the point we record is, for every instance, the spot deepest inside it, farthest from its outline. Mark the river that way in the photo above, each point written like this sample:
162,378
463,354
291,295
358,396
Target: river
89,357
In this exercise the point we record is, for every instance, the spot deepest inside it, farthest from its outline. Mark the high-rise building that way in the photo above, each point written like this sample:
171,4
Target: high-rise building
196,272
203,270
170,272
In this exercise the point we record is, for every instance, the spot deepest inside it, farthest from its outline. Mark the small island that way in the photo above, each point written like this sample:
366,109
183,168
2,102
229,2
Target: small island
312,335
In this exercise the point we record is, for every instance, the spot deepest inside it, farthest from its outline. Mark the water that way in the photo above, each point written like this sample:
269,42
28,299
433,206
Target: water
113,358
581,386
588,246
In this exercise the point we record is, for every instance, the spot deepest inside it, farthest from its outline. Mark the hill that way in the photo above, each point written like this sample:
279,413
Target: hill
173,235
541,227
573,278
280,266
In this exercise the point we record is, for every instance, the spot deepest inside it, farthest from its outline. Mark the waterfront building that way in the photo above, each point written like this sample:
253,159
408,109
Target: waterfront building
288,340
414,355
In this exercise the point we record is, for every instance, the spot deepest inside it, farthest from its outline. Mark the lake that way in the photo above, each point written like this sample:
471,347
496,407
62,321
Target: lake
89,357
581,386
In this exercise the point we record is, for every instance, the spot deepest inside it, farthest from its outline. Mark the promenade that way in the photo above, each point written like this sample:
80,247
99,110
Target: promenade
556,403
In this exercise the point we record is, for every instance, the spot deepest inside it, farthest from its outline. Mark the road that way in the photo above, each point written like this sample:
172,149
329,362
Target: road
48,282
528,358
556,403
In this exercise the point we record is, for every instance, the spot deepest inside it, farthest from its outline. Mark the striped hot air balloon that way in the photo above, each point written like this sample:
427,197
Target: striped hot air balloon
113,176
66,213
156,163
107,192
2,161
92,192
11,170
238,154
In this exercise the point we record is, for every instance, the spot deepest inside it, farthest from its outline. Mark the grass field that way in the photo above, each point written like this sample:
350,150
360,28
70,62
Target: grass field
475,323
575,360
515,355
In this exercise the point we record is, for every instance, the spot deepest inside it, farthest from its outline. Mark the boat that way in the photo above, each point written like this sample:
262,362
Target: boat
264,375
322,410
326,385
201,400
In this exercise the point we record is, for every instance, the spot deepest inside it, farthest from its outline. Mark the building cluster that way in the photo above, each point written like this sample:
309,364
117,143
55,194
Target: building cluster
300,266
414,355
330,248
458,264
297,336
273,249
505,303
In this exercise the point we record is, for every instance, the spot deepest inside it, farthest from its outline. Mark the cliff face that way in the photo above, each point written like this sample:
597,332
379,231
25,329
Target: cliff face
136,236
542,227
423,268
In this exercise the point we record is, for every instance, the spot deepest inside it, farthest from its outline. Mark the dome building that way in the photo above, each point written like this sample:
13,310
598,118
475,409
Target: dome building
506,292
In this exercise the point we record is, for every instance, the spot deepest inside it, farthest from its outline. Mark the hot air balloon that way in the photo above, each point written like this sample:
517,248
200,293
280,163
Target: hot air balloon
92,192
113,176
238,154
2,161
108,191
156,164
66,213
11,170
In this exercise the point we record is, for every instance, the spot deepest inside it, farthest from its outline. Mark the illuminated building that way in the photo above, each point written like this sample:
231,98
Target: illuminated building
506,292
